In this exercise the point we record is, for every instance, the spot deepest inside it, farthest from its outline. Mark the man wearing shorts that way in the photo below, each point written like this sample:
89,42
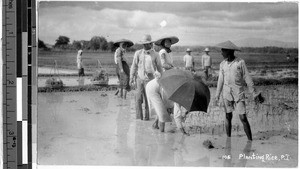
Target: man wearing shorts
233,75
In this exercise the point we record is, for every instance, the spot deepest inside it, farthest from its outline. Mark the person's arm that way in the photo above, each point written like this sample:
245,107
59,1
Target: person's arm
220,83
134,66
247,78
210,61
177,115
202,61
164,63
178,118
158,64
119,59
193,62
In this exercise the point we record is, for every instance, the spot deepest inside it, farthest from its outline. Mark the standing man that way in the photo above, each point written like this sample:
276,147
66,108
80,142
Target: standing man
147,64
206,62
189,60
79,64
232,76
122,68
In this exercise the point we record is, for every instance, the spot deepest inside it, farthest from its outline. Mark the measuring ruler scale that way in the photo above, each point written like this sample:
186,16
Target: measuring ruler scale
19,81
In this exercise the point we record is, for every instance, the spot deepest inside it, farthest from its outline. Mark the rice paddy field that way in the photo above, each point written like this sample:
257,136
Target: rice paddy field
67,60
86,125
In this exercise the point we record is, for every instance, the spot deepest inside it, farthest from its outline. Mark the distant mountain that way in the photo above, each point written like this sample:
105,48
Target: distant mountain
260,42
49,45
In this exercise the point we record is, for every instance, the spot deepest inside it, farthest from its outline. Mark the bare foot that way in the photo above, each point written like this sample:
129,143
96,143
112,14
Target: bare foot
155,126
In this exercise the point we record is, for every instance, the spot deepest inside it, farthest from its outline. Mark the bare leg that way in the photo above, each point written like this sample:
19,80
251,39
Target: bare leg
183,131
228,124
246,125
162,126
155,124
117,92
121,92
125,94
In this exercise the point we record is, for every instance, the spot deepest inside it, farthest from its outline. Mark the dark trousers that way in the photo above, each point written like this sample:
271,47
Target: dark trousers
81,72
140,96
206,69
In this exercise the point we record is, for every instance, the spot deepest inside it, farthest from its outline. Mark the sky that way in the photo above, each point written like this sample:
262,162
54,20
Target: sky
194,23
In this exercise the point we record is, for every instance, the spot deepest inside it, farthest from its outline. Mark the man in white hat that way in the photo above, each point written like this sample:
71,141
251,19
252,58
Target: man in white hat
189,60
80,64
233,75
206,62
147,64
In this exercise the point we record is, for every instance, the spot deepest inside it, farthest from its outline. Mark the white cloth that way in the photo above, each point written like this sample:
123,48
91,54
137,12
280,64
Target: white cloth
148,64
179,113
119,53
138,63
188,60
206,60
166,59
155,100
232,79
79,60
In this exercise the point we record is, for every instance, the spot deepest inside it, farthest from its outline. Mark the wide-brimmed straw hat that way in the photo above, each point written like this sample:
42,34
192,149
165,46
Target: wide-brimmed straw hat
206,50
173,40
145,40
188,50
228,45
128,42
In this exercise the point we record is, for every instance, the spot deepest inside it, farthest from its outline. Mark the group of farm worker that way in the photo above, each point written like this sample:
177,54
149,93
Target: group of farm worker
148,66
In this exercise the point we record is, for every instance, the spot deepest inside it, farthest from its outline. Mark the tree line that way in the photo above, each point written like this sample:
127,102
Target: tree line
99,43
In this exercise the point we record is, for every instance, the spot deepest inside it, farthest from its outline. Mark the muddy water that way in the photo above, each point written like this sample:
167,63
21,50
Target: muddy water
97,128
75,81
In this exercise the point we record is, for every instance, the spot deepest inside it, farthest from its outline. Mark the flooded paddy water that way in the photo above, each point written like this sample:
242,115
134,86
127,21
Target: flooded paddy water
98,128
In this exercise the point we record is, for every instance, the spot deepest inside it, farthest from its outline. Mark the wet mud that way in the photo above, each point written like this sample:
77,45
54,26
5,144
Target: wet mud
98,128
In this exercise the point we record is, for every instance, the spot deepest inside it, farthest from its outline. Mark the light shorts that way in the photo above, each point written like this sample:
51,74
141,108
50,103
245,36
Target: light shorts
239,107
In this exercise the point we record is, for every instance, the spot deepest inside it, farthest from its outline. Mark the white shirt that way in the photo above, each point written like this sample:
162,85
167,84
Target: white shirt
188,60
206,60
79,61
166,59
232,79
148,64
119,53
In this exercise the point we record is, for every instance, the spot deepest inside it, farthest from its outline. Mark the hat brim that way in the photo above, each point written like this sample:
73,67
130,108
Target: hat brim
230,48
173,40
144,42
228,45
128,42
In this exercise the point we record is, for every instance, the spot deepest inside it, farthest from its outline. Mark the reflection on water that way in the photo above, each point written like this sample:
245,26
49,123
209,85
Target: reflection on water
104,127
54,100
100,102
81,81
168,149
228,156
123,124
